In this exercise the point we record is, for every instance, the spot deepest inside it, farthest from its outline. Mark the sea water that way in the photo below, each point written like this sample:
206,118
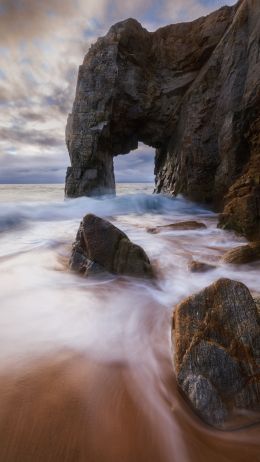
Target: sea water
103,345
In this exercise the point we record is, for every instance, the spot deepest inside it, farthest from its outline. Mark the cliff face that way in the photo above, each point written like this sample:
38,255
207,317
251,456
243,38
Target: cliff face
189,90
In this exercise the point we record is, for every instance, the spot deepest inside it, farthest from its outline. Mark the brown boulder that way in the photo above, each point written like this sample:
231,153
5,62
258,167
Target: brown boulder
200,267
216,336
179,226
100,246
243,254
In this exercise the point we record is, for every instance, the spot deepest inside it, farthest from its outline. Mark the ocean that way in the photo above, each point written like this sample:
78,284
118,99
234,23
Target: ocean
120,326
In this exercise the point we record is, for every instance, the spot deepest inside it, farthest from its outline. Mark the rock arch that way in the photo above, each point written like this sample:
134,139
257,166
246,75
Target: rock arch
130,89
187,90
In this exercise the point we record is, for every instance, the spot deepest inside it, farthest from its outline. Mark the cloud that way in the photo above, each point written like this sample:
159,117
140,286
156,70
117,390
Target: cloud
136,167
188,10
24,19
42,44
18,136
36,168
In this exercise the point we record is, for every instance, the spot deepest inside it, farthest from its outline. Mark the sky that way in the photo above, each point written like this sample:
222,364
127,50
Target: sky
42,43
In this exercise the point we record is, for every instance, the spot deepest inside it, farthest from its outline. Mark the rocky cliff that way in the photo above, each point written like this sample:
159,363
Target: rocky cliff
192,92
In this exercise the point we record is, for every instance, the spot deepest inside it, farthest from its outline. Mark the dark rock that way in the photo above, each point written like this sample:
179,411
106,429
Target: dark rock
205,398
191,91
179,226
242,202
216,336
257,302
243,254
200,267
100,246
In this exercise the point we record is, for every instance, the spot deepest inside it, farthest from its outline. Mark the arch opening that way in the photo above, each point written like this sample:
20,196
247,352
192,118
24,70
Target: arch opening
136,168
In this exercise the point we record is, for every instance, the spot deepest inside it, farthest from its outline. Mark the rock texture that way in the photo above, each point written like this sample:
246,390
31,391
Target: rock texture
178,226
243,254
216,335
192,92
257,301
101,247
200,267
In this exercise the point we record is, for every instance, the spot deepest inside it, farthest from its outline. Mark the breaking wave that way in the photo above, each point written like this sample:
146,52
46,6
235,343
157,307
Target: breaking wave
22,213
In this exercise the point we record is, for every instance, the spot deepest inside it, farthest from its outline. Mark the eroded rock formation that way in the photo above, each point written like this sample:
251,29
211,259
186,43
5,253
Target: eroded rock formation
192,92
216,334
101,247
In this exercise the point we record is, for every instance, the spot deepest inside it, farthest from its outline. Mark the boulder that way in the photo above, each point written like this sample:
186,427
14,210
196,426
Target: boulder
216,338
101,247
178,226
243,254
200,267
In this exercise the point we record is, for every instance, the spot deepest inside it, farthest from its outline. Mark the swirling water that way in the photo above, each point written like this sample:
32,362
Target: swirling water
86,370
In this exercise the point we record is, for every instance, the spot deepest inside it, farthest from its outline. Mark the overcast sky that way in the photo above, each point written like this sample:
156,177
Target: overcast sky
42,43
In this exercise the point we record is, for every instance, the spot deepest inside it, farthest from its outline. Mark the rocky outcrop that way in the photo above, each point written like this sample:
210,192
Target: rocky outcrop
101,247
243,254
191,91
216,337
242,202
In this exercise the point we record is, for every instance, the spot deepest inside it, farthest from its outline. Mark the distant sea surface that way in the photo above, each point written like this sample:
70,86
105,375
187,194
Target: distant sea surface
93,357
55,192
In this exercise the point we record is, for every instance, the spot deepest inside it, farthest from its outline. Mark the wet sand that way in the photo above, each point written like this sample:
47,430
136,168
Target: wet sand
71,408
86,370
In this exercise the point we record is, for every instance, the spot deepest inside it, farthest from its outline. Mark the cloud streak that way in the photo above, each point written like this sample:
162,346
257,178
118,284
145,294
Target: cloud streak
36,168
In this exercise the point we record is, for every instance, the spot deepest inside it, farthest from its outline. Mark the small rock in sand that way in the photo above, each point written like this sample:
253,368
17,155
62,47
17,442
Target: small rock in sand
200,267
178,226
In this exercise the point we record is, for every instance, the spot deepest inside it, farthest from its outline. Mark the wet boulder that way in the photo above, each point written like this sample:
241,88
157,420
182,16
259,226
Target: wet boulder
243,254
195,266
216,338
178,226
101,247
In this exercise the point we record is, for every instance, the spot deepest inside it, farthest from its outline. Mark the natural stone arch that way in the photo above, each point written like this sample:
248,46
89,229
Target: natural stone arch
130,88
189,91
111,109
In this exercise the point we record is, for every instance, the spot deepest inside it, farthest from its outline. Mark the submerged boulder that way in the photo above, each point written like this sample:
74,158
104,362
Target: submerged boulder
216,337
200,267
243,254
178,226
100,247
